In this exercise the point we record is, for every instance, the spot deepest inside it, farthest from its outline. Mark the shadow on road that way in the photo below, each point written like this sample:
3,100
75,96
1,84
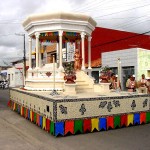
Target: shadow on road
4,98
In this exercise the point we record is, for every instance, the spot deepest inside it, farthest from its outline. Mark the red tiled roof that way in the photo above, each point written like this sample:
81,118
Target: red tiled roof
104,40
95,63
51,48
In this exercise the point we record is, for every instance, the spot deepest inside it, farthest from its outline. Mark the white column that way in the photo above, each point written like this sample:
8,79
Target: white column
60,50
57,52
40,47
44,55
119,73
30,53
83,50
37,49
30,58
89,52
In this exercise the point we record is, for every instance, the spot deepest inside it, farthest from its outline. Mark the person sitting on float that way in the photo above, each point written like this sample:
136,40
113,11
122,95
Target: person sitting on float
131,84
148,83
113,84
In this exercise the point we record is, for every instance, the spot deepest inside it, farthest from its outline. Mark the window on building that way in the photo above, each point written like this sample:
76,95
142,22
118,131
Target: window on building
47,108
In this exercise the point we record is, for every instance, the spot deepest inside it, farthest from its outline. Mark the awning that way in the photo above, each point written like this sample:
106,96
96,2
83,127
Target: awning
33,53
4,73
42,51
27,67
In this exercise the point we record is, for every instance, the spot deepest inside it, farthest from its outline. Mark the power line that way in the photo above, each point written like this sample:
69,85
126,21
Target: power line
122,18
10,34
6,34
87,5
123,11
120,39
128,24
117,6
92,6
19,19
10,23
97,8
131,22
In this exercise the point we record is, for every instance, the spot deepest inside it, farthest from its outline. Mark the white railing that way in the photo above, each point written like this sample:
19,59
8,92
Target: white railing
44,72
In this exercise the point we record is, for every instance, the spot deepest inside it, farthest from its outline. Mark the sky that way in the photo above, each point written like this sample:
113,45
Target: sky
126,15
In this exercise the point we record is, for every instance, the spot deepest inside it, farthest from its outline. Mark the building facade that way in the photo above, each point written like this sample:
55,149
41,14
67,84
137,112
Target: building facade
15,74
133,61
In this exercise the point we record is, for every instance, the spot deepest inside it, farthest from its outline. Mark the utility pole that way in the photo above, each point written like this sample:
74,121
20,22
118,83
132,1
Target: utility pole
24,57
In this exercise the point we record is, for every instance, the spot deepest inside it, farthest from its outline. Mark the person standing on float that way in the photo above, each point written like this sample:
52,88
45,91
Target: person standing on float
131,84
143,85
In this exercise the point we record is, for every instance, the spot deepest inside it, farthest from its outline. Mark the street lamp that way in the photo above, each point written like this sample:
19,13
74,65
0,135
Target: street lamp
24,56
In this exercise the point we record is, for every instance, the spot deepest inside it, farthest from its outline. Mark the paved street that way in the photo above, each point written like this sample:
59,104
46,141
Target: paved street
19,133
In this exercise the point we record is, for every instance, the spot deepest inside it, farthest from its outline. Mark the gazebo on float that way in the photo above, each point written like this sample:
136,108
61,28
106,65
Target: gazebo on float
96,110
59,28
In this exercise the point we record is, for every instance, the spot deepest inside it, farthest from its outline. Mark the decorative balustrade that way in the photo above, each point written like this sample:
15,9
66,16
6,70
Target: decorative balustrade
44,72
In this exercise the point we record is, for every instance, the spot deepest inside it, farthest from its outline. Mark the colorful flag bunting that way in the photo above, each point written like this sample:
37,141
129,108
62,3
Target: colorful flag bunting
87,125
117,122
78,126
130,119
59,128
69,126
102,124
110,122
136,118
95,124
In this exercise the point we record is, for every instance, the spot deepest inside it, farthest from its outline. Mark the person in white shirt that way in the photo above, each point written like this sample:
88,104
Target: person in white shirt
143,84
131,84
113,82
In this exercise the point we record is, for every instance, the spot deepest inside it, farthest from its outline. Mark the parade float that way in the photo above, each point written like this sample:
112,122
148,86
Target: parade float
66,101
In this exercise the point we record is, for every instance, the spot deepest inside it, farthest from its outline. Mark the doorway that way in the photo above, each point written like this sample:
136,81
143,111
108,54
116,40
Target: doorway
126,72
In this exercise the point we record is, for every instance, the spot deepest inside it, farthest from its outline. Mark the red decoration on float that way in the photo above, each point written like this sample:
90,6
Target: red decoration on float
123,120
110,122
69,127
47,125
142,117
87,125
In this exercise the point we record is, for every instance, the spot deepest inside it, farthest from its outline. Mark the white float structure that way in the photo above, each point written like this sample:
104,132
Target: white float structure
101,111
56,23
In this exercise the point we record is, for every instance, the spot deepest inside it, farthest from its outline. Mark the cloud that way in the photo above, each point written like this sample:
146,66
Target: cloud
14,12
7,51
126,15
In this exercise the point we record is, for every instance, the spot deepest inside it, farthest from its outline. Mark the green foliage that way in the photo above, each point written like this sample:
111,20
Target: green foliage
105,69
69,68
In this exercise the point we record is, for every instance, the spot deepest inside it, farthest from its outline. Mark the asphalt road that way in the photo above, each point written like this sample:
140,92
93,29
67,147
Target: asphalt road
17,133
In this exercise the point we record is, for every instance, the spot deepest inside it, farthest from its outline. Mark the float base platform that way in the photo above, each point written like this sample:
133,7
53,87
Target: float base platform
84,112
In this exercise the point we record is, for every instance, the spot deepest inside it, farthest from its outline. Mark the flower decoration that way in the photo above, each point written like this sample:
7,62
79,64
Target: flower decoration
105,74
69,73
106,70
69,68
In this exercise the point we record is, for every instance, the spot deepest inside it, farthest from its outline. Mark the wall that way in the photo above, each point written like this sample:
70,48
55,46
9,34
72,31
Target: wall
15,77
143,62
10,76
128,57
18,77
105,40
